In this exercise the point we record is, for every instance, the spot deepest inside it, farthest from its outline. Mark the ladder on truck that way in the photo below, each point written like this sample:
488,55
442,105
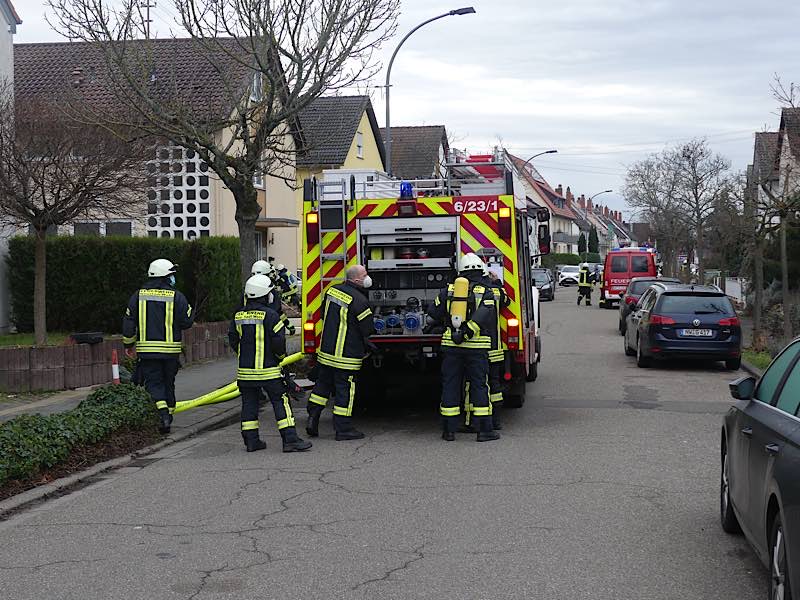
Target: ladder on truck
332,202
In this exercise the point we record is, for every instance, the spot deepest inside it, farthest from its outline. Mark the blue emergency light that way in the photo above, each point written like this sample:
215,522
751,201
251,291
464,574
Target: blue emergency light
406,190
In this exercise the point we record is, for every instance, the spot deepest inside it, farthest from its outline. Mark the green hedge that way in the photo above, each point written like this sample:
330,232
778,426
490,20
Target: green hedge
31,443
551,260
90,279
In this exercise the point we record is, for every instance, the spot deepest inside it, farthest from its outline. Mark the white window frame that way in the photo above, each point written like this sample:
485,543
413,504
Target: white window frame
257,88
359,144
258,180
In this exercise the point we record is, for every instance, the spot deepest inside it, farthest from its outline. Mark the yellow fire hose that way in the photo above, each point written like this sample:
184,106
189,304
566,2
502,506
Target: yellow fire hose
229,392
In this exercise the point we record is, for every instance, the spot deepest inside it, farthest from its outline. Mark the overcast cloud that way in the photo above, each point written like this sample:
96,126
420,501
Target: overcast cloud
604,82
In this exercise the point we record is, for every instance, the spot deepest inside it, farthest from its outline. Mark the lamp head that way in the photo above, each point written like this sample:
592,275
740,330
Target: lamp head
463,11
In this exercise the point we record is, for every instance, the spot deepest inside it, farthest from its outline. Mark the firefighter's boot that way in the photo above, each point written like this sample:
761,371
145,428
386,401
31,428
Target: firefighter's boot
579,299
312,426
164,420
496,424
252,442
449,426
345,430
293,443
486,433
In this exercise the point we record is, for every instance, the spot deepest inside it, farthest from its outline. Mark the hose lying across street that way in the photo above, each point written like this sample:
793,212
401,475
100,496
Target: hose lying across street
229,392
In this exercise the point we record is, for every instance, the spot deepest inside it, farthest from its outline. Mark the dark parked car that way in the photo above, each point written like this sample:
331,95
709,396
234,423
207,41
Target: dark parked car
760,469
544,282
634,291
674,320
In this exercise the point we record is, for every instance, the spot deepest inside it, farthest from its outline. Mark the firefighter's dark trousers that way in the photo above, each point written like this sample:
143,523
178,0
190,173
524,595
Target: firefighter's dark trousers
158,376
458,365
495,393
342,384
276,392
585,291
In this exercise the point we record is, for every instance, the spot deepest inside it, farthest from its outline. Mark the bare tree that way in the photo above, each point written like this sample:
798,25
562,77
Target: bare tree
269,59
650,189
53,171
702,177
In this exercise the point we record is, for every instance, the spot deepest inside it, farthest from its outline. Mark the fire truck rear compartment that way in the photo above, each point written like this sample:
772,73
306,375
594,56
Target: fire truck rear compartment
410,260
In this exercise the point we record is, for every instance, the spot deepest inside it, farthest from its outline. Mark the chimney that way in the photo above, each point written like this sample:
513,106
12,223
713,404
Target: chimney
582,202
589,205
77,77
560,190
605,211
570,198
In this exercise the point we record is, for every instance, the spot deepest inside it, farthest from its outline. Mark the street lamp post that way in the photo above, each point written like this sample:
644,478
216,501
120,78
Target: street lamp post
535,155
590,201
459,11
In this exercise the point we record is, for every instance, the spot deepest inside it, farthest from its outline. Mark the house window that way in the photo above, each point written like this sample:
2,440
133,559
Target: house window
119,228
257,90
258,180
360,145
87,229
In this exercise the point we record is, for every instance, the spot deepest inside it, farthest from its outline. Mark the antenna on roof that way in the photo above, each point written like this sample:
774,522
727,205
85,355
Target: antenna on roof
146,5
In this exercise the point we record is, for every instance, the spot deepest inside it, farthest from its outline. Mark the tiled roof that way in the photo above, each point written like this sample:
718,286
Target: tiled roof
557,204
765,151
182,71
415,150
329,125
790,126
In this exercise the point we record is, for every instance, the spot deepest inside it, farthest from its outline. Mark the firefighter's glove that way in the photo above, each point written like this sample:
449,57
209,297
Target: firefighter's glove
291,329
457,336
471,329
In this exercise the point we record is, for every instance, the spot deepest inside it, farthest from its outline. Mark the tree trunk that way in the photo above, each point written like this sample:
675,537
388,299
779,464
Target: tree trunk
40,289
787,312
701,266
758,294
247,244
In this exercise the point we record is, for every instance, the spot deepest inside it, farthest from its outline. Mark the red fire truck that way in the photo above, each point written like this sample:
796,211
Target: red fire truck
411,243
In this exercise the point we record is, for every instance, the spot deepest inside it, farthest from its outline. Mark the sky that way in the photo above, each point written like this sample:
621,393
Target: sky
604,82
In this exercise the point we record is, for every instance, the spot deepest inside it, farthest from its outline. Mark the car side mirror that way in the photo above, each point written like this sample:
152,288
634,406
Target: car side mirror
743,388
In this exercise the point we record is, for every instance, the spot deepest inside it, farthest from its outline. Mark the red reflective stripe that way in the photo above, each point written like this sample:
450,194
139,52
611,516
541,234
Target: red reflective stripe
508,264
509,292
332,272
476,234
337,241
312,268
424,210
366,211
390,211
313,293
465,247
487,218
351,253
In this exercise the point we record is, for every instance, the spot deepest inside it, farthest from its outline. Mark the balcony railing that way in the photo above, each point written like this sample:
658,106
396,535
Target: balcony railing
564,238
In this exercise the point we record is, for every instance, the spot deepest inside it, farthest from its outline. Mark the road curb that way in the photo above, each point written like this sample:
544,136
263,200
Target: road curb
754,371
63,484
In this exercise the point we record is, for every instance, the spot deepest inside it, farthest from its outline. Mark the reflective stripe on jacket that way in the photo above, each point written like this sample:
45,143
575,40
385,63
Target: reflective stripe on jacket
583,278
257,335
154,319
501,301
346,323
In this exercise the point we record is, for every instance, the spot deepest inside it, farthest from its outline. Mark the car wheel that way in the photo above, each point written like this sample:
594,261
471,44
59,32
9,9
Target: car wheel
641,360
780,580
733,364
513,400
533,372
628,350
730,524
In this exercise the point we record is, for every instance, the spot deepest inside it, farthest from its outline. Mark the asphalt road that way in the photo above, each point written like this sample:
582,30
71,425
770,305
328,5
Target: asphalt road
604,485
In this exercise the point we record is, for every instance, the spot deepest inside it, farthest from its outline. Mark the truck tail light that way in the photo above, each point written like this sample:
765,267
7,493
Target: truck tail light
661,320
730,322
504,223
513,334
309,337
312,228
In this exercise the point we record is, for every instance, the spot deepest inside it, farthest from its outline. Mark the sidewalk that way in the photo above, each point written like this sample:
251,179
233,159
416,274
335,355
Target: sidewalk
192,381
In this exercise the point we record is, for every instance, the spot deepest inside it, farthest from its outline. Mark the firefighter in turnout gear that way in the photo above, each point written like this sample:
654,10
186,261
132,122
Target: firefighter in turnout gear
262,267
466,343
287,284
347,325
584,285
256,334
496,354
153,322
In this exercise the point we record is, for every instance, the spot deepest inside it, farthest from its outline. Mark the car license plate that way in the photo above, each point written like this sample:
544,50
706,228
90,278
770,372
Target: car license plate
696,332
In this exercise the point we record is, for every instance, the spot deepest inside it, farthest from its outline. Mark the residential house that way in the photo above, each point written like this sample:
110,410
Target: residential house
764,172
419,152
564,230
788,153
9,19
340,133
185,199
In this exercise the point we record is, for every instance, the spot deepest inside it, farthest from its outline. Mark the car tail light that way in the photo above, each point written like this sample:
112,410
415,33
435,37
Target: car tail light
504,223
309,337
630,299
730,322
312,228
661,320
513,334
